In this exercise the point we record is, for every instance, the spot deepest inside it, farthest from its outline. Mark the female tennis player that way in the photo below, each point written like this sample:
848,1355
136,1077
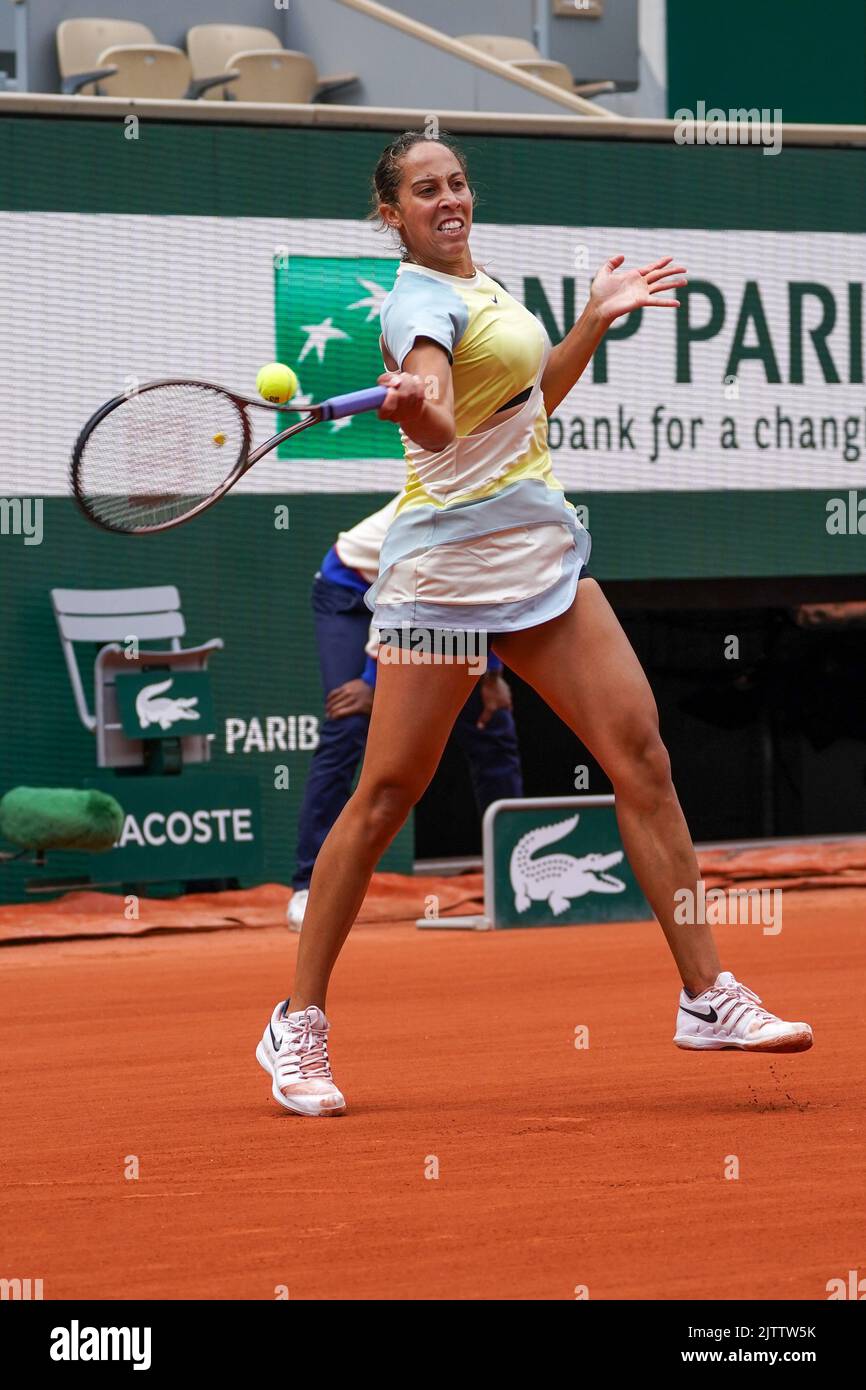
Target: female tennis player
484,541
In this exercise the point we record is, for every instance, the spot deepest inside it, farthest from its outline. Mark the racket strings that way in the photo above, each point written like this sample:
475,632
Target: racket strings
159,455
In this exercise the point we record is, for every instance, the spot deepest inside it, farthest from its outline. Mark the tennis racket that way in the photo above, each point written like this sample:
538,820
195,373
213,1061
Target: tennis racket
154,459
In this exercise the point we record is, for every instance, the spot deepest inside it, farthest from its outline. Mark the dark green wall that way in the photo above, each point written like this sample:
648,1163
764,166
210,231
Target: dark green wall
807,59
72,165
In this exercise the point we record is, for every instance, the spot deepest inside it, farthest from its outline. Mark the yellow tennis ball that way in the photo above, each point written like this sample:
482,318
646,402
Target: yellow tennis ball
277,383
219,438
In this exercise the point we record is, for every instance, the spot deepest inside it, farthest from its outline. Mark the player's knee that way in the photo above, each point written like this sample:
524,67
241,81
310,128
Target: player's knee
643,768
385,807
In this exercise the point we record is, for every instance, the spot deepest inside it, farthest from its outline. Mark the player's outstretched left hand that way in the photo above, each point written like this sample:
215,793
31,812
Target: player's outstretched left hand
615,292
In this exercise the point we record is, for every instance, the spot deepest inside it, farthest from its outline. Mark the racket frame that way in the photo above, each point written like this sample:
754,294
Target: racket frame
313,414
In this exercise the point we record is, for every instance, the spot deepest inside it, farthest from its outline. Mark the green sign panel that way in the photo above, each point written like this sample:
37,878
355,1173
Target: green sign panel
326,310
196,825
557,861
165,704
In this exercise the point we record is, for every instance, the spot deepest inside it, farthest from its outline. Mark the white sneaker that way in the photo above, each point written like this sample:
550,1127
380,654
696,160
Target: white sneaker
294,1050
729,1015
296,909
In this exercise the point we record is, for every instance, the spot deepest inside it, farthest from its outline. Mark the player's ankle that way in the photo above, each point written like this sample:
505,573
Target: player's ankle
697,984
299,1002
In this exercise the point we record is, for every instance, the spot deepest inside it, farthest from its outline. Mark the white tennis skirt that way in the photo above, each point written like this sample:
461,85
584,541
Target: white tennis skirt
460,567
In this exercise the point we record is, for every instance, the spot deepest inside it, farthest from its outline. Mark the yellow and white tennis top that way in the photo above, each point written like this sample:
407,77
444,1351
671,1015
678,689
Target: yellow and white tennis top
483,537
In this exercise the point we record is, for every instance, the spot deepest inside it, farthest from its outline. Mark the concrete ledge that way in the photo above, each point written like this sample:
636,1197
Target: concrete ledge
384,118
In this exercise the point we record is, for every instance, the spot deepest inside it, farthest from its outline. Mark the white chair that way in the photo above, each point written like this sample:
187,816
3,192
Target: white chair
112,617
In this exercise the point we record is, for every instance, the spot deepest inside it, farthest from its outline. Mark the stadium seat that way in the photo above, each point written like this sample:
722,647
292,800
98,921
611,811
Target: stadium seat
274,76
120,58
520,53
265,70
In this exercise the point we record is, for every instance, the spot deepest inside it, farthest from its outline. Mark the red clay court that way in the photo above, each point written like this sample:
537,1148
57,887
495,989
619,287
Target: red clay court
558,1167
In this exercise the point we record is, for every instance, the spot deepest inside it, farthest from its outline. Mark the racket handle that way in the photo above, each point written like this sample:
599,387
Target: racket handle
353,403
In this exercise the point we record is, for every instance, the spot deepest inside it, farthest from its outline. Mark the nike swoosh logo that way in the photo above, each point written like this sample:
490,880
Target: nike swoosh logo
711,1017
273,1039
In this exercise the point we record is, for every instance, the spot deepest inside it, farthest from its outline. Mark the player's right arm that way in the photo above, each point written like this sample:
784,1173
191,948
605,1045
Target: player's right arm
421,397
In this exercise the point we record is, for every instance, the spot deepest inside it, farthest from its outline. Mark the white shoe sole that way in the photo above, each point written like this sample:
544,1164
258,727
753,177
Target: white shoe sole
792,1042
321,1112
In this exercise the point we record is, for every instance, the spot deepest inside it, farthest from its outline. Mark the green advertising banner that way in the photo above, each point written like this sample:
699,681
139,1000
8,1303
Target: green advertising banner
554,861
156,704
326,310
200,825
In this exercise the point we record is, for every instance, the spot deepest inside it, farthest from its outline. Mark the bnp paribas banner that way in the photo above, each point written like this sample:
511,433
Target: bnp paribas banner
756,383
